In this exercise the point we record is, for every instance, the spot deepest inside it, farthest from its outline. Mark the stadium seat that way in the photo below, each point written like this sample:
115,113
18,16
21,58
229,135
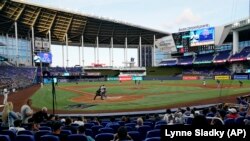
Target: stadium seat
4,138
11,134
40,133
149,124
240,121
25,132
95,129
229,121
104,124
89,132
135,135
66,132
50,138
45,128
129,128
122,123
77,137
161,122
153,139
25,138
104,137
106,130
114,127
75,125
153,133
88,125
159,126
143,130
132,125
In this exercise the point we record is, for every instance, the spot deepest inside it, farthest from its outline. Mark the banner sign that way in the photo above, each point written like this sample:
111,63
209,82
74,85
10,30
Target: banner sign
222,77
190,78
125,78
240,77
136,78
112,79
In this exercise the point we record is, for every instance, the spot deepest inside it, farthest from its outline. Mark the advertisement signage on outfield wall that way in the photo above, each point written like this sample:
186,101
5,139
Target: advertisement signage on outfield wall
190,78
222,77
136,78
240,77
125,78
112,79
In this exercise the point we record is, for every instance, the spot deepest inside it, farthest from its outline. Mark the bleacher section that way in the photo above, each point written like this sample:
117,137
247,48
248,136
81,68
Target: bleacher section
222,57
241,56
21,77
60,71
168,63
186,60
204,58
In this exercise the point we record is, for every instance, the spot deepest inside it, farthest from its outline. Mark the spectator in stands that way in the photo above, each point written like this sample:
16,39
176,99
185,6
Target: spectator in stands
17,126
26,111
139,123
167,115
187,112
8,115
79,121
122,134
81,130
112,122
56,131
5,95
68,126
232,113
41,116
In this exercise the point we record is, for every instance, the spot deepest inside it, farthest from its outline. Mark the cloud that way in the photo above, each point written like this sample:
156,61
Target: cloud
186,18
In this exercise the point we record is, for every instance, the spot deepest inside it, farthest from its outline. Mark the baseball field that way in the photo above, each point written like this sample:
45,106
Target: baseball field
127,96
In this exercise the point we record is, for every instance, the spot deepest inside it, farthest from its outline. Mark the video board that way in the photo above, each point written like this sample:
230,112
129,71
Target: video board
43,57
195,40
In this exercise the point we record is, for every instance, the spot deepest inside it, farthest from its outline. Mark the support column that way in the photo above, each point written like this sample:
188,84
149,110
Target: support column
67,51
112,53
97,46
63,56
79,55
126,49
82,51
140,58
16,35
110,60
153,53
95,55
49,40
145,56
235,42
33,45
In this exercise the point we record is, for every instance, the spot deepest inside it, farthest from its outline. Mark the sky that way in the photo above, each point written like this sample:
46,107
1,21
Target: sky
163,15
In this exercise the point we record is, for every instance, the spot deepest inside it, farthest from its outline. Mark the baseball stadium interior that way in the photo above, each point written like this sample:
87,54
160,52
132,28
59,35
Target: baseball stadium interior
210,60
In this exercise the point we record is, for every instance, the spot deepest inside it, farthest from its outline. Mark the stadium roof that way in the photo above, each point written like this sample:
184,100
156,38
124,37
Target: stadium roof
61,22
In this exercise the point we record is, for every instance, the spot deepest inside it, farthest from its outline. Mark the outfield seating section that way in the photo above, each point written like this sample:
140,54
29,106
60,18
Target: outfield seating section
241,55
204,58
186,60
222,56
59,71
168,63
20,77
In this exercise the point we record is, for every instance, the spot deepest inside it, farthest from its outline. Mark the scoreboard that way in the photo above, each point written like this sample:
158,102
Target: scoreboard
194,41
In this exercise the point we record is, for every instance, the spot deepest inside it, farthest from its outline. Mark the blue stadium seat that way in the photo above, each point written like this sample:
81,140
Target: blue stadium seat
149,124
50,138
11,134
89,132
45,128
88,125
229,121
25,132
25,138
135,135
106,130
130,125
114,127
104,123
66,132
153,139
240,121
40,133
77,137
75,125
95,129
143,130
104,137
159,126
122,123
161,122
153,133
129,128
4,138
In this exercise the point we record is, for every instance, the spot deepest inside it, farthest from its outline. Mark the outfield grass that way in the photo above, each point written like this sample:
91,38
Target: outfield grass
156,93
